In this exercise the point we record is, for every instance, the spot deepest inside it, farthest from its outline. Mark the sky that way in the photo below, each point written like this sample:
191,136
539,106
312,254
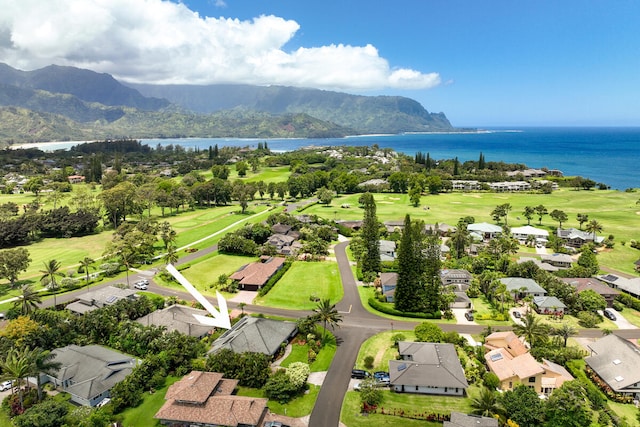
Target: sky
483,63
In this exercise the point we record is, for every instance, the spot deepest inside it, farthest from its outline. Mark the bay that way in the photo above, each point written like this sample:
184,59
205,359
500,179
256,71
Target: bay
607,155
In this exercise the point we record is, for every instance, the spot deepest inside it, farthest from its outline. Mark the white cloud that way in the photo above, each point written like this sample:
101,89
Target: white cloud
156,41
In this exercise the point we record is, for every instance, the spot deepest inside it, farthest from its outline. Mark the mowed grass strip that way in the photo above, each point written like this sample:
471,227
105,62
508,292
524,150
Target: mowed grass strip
303,280
204,274
298,407
142,415
409,403
381,348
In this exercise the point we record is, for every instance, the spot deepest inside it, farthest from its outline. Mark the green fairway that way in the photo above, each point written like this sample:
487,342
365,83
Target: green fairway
303,280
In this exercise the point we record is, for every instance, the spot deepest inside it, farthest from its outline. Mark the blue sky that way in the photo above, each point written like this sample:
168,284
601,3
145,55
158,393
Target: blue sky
490,63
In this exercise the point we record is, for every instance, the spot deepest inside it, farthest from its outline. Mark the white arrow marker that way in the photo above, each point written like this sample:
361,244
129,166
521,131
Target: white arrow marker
220,319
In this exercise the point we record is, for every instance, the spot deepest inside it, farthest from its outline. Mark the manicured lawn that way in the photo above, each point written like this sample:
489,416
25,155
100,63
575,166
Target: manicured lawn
142,415
381,348
298,407
367,292
301,281
204,274
299,353
482,307
410,403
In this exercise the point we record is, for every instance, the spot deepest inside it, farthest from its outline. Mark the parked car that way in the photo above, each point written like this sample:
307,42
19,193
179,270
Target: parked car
608,314
382,377
517,314
141,284
6,386
274,424
469,316
360,374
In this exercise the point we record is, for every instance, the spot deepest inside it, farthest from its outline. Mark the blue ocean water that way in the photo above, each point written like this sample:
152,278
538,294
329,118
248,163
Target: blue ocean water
608,155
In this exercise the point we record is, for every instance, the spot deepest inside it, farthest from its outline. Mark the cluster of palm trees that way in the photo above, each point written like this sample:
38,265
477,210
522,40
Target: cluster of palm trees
534,331
20,363
29,299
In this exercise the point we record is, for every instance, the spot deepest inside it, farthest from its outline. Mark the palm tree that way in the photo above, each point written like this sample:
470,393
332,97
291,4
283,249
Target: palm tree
27,301
594,227
327,313
17,365
44,363
582,218
86,264
486,403
171,257
532,329
49,277
565,331
242,305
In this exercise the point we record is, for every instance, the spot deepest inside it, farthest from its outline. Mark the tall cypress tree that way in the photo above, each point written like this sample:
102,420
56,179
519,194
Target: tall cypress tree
410,294
370,235
431,274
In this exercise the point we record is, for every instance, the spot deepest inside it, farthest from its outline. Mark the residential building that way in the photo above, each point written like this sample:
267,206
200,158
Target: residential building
388,283
456,276
459,419
387,250
616,361
501,187
543,265
179,318
284,244
205,399
522,234
557,260
522,287
628,286
393,226
548,305
75,179
512,366
99,297
256,335
465,185
528,173
576,238
252,277
582,284
486,230
427,368
89,373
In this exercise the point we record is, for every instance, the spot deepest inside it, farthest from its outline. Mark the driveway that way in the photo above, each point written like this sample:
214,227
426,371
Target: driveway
460,319
620,321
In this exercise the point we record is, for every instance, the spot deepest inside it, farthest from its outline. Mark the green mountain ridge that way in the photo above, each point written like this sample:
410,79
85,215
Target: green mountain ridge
67,103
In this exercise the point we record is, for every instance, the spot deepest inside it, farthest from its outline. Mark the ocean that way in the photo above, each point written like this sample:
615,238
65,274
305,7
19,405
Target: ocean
607,155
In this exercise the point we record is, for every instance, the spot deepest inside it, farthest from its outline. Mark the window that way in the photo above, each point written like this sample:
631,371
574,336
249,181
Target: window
532,379
417,388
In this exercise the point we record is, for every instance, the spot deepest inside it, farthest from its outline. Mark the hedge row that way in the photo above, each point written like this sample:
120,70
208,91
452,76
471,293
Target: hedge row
274,279
629,301
377,305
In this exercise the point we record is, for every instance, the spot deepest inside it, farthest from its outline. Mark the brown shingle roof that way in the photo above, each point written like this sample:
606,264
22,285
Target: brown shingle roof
190,400
257,273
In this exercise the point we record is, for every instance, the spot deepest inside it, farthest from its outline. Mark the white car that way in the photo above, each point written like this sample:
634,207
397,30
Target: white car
6,385
141,284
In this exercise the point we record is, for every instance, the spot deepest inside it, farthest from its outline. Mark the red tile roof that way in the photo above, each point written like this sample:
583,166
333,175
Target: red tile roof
258,273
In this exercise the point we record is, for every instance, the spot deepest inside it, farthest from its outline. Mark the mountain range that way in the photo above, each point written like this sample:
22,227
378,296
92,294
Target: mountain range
68,103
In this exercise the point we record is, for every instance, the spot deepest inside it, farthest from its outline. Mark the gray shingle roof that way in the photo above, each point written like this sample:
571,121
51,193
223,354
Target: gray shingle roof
514,284
178,318
255,335
427,364
616,361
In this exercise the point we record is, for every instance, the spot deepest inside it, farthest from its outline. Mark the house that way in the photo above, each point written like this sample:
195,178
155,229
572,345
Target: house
486,230
256,335
501,187
427,368
465,185
98,298
440,229
388,282
284,244
459,419
75,179
522,234
616,360
88,373
374,184
178,318
557,260
461,300
252,277
456,276
576,238
628,286
281,228
542,265
528,173
548,305
513,365
582,284
523,287
354,225
393,226
387,250
205,399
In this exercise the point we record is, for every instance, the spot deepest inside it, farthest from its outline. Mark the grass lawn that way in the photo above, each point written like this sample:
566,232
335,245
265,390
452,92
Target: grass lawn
298,407
304,279
323,359
381,348
205,273
482,307
142,415
410,403
367,292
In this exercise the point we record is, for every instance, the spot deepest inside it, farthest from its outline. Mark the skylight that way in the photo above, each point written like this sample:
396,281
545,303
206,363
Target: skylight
616,361
619,378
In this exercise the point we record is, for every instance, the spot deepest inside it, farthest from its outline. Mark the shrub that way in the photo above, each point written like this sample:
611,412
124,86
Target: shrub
491,380
385,308
280,388
368,362
298,373
396,338
588,320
